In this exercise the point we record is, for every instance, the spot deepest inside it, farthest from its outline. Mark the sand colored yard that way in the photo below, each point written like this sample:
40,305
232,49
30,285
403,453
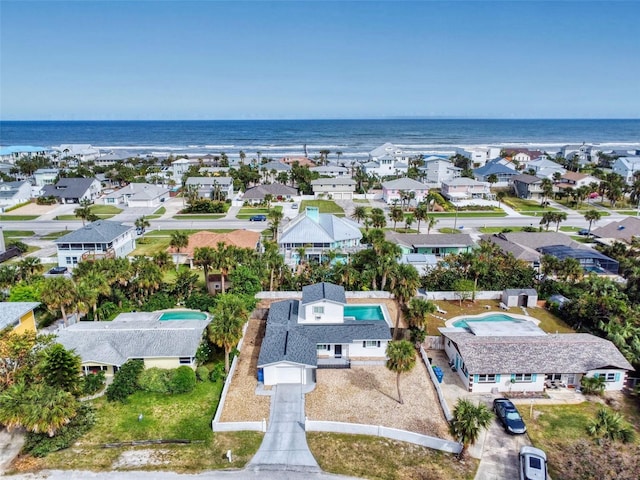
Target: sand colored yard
391,304
32,209
368,395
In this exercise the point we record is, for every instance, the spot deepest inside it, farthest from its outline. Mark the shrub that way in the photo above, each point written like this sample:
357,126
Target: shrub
159,301
50,200
183,380
200,301
125,381
218,373
202,373
203,353
41,444
93,383
23,247
154,380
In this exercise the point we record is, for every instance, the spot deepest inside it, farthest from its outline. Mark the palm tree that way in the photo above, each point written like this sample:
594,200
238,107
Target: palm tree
223,261
401,358
162,259
275,217
493,178
408,221
611,425
547,189
396,216
547,219
500,197
205,257
593,385
84,211
420,213
405,282
179,240
431,223
28,267
97,283
592,216
359,214
378,218
418,312
142,224
225,330
559,217
58,294
468,421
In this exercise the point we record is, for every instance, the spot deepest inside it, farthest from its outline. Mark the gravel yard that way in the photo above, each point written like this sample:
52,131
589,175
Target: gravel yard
242,404
368,395
32,209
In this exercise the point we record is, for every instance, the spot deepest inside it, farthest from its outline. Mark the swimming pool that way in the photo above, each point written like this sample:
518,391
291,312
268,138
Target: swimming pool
364,312
494,317
183,315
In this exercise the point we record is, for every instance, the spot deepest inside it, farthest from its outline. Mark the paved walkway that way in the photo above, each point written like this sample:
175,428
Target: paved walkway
10,445
284,446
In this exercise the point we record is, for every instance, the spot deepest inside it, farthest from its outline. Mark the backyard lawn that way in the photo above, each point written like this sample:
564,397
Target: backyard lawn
186,416
325,206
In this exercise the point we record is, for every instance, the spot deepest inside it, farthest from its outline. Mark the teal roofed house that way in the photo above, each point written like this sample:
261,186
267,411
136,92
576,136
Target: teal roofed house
315,235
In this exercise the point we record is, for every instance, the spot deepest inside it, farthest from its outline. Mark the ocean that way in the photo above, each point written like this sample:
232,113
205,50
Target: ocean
354,138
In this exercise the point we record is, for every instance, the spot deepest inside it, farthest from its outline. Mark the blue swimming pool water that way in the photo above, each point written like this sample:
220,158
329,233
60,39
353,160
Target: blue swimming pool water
498,317
364,312
183,316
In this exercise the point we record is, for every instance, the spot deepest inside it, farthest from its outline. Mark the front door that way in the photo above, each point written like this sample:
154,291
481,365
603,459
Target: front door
337,351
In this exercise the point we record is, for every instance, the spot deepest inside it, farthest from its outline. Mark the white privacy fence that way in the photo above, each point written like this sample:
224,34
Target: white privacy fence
436,384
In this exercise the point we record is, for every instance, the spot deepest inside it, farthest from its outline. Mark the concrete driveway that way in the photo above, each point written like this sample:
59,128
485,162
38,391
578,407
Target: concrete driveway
284,446
500,454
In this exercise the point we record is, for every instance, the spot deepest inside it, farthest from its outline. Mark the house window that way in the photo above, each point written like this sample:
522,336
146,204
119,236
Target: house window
318,310
371,344
523,377
323,347
608,377
487,378
185,360
553,377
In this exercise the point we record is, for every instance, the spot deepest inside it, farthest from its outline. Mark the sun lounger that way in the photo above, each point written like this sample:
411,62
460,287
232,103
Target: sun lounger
503,306
439,310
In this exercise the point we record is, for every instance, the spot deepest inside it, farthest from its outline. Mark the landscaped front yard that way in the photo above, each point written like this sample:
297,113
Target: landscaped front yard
325,206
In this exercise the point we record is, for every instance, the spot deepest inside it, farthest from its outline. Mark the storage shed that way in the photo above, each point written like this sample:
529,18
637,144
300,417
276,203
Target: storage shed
520,297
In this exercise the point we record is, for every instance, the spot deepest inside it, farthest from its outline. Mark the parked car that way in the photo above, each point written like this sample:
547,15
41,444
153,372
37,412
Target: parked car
583,231
58,271
258,218
533,464
294,206
509,416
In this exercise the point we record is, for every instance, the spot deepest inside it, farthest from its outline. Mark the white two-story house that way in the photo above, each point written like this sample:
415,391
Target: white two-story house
96,240
387,160
320,331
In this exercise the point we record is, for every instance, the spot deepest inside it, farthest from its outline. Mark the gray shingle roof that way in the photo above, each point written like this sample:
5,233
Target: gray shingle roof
10,312
276,189
560,353
68,188
404,184
430,240
323,291
209,181
623,230
100,231
113,343
526,178
333,181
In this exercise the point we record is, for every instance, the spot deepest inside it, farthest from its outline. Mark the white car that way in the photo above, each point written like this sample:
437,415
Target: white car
533,464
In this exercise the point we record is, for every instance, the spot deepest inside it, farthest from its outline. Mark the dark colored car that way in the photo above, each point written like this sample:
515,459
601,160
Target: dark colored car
509,416
58,271
533,464
583,231
258,218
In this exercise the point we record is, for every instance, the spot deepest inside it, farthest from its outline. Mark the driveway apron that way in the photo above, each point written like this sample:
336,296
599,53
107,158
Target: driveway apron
284,446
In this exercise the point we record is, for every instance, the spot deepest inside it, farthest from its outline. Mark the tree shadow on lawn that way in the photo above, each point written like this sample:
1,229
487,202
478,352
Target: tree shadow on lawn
366,380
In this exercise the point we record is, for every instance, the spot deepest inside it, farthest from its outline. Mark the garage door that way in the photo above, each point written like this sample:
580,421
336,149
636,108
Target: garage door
289,375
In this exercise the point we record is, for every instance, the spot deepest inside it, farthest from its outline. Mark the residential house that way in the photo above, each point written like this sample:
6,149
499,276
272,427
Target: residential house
528,246
15,152
438,244
422,262
627,167
586,153
114,157
319,234
575,180
522,155
272,169
212,187
436,170
527,186
73,190
545,168
320,331
106,346
18,315
479,156
387,160
236,238
335,188
523,358
99,239
503,173
75,153
45,176
301,161
331,171
464,188
137,195
14,193
393,190
623,231
278,192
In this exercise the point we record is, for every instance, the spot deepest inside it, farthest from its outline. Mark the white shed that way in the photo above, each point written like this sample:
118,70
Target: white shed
520,297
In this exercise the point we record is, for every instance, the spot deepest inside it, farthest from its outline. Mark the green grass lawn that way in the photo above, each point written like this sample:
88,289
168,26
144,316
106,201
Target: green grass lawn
325,206
360,200
488,213
526,206
102,211
168,233
54,235
247,212
186,416
157,214
17,218
150,245
383,459
500,229
17,234
449,230
199,216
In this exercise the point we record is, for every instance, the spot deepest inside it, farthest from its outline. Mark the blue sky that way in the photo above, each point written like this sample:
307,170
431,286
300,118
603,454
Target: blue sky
314,59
